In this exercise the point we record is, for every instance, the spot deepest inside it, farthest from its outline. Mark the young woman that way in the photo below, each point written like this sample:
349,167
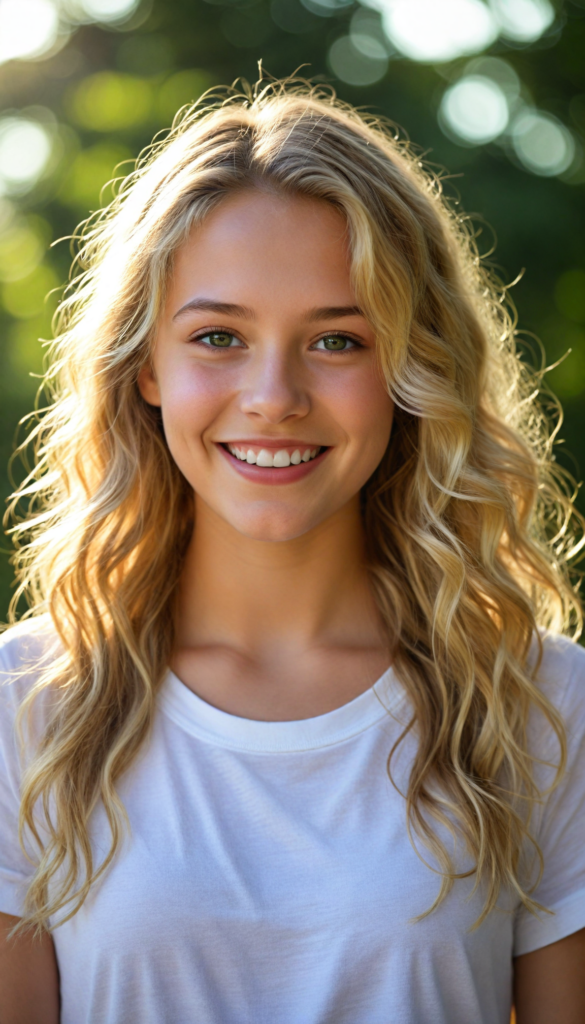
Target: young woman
301,738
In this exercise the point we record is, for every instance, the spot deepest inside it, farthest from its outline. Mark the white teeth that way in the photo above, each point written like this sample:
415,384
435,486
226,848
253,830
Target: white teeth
237,452
264,458
281,459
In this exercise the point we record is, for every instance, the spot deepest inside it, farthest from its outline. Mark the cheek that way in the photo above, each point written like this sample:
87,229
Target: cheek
364,410
192,397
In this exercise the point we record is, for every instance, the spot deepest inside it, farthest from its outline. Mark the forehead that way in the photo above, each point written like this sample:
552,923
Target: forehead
266,244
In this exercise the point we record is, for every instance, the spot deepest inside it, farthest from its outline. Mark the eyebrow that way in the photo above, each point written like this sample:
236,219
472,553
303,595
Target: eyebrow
213,306
333,312
245,313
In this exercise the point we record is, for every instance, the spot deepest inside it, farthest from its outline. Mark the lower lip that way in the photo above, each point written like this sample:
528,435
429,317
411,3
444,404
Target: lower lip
270,475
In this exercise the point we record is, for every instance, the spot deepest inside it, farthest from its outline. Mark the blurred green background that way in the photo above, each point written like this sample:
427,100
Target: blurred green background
493,90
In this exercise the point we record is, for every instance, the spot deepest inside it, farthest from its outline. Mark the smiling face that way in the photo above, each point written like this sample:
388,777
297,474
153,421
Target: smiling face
265,369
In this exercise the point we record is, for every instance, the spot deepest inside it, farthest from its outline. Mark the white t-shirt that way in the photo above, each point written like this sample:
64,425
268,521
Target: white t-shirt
269,878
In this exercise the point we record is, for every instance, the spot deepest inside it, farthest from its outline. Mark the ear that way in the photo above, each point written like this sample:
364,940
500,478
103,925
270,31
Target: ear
148,385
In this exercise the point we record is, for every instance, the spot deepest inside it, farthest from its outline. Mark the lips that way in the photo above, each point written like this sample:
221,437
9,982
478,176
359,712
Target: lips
273,462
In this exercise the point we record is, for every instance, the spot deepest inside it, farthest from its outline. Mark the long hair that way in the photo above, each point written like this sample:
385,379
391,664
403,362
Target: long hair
468,523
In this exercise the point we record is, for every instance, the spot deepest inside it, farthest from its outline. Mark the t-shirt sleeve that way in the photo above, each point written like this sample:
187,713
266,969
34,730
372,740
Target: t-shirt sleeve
25,650
560,822
15,869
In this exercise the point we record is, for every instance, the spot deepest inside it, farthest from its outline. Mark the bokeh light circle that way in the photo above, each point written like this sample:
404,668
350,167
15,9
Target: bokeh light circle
524,21
426,30
102,10
542,144
499,71
351,64
28,28
25,148
475,109
369,46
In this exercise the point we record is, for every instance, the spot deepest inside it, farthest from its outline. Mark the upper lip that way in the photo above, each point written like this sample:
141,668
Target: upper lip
271,442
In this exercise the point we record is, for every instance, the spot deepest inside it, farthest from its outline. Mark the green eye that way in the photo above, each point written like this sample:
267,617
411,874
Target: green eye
334,343
218,339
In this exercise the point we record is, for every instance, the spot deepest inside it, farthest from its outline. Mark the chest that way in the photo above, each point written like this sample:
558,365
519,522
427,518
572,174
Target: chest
230,844
261,887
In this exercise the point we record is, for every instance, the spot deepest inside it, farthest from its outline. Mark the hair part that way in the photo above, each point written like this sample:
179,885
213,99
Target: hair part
467,518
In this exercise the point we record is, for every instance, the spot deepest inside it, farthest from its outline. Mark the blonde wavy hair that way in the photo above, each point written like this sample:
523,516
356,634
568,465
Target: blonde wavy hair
468,522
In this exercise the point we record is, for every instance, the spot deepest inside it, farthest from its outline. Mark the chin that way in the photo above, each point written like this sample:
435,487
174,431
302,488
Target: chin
272,525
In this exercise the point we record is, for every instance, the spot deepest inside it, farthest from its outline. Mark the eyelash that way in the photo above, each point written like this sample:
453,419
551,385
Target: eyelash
329,334
338,334
212,330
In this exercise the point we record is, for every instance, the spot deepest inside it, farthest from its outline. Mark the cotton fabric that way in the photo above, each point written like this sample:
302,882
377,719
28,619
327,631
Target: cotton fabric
268,877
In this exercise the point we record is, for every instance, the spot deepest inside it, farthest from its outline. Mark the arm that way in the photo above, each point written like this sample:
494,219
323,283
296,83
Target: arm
29,979
549,984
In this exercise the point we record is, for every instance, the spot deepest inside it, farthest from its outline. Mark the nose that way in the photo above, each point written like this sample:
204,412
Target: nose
275,389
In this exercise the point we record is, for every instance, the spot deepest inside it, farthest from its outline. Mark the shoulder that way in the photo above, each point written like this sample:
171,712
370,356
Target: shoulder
561,679
26,650
561,674
28,644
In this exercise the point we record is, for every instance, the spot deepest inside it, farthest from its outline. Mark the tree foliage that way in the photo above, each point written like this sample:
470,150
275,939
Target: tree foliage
102,92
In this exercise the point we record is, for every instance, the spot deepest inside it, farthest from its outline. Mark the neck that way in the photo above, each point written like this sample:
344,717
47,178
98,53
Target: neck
256,595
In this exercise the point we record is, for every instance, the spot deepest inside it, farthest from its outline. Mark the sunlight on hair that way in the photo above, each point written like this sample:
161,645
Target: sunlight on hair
25,148
475,109
28,28
542,143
